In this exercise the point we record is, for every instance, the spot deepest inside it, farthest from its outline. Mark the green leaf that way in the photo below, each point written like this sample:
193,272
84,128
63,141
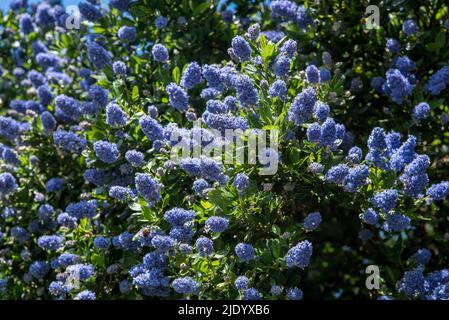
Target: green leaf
275,248
176,75
135,94
267,50
98,260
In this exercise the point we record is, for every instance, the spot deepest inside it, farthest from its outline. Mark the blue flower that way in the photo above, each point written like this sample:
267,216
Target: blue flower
325,75
99,95
178,97
89,11
421,111
405,65
45,95
106,151
282,66
19,234
278,89
36,78
289,47
370,216
10,156
385,200
312,74
204,246
119,193
337,174
397,86
102,243
241,282
82,209
438,81
312,221
67,108
151,128
200,185
213,76
95,176
115,116
438,191
64,219
241,48
179,216
241,182
67,259
299,255
356,178
315,168
328,132
412,284
276,290
393,46
126,33
191,76
51,243
246,93
314,133
216,224
135,158
421,257
44,17
244,251
10,129
224,121
251,294
120,5
414,185
301,109
418,166
39,269
185,285
163,243
26,23
119,68
45,211
294,294
160,53
396,222
7,184
182,233
86,295
47,60
161,22
409,27
376,140
253,31
355,155
98,56
54,184
81,271
18,4
148,188
124,286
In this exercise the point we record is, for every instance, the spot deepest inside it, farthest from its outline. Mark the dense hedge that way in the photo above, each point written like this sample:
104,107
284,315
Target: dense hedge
94,205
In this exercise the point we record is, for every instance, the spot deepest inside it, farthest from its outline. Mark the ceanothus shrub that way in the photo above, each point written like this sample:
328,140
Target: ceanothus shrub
97,204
